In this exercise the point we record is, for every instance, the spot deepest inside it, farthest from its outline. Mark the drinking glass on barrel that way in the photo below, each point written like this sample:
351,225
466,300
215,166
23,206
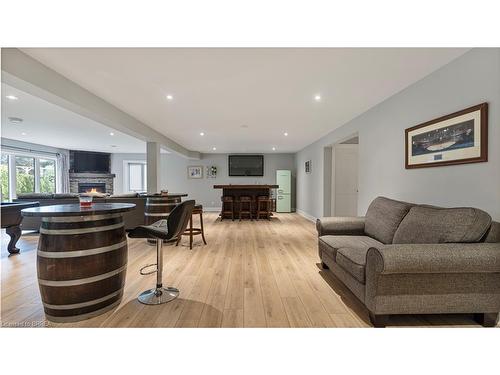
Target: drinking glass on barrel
85,201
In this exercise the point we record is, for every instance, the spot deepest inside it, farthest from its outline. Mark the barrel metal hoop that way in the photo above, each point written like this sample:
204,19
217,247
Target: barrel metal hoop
86,280
81,230
161,204
77,318
81,253
156,214
82,304
78,219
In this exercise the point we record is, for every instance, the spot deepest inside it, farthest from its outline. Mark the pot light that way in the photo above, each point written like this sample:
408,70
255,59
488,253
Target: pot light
111,134
214,148
202,134
15,120
285,134
23,133
12,97
170,97
317,97
274,148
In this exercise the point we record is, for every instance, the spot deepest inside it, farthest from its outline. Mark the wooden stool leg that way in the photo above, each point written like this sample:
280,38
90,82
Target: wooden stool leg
232,210
241,205
202,230
250,209
191,233
222,212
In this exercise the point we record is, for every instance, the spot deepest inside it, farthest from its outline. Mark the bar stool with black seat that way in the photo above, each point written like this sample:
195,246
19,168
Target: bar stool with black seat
190,231
248,201
226,201
264,207
163,230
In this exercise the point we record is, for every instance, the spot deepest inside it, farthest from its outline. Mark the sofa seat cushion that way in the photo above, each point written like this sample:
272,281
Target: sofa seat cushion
383,218
331,244
433,225
353,261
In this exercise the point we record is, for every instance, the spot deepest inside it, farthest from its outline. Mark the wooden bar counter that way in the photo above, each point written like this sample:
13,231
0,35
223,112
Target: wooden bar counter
81,259
253,191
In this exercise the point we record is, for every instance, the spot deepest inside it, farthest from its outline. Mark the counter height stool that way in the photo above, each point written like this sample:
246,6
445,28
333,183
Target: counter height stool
190,231
163,230
245,200
226,201
264,207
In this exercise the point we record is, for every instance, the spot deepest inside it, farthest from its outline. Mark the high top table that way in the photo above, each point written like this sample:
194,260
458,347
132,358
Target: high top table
81,259
159,206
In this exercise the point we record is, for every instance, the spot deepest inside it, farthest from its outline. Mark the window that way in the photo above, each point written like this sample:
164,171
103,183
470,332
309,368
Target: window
24,173
4,176
135,176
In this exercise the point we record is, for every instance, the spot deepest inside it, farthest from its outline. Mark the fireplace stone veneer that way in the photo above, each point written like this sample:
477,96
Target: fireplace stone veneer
91,178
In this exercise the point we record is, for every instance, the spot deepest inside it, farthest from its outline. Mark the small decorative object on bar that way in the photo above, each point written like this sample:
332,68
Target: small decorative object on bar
195,172
164,192
458,138
307,166
212,172
85,200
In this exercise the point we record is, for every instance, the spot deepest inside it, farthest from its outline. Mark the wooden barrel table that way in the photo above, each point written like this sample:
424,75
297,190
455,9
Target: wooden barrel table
159,206
81,259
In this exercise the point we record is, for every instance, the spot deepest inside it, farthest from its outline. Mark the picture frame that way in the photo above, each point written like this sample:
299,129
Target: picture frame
458,138
308,166
195,172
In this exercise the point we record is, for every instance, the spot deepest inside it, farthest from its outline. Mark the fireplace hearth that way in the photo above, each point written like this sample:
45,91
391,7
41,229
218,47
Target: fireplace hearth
83,182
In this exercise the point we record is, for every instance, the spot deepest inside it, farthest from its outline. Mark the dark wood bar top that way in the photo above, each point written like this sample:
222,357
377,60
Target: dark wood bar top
158,195
76,210
246,186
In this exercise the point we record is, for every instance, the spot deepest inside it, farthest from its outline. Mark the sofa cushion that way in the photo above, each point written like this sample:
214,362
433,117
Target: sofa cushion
432,225
124,195
383,218
331,244
65,195
35,196
353,261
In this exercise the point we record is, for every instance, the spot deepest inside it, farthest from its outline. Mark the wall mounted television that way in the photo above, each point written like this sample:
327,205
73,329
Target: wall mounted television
89,162
246,165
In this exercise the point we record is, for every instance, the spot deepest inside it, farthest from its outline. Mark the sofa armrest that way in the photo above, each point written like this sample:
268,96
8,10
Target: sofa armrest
435,258
354,226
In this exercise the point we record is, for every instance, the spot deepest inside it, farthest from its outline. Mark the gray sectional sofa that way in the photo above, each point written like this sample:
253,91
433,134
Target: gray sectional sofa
404,258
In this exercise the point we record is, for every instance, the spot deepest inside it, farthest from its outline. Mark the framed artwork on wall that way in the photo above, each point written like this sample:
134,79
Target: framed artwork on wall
308,166
195,172
457,138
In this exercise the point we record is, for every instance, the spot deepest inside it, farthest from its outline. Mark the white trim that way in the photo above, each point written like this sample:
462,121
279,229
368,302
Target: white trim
211,209
306,215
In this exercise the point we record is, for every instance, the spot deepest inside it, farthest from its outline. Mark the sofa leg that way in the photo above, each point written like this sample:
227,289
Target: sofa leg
379,321
324,266
487,319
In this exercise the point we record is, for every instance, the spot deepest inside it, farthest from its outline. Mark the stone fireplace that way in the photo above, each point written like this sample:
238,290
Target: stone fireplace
83,182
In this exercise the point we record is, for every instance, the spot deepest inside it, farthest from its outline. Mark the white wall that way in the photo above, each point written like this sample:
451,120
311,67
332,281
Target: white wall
174,174
469,80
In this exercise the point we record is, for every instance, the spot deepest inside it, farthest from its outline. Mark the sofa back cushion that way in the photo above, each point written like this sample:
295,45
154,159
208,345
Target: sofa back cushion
425,224
383,218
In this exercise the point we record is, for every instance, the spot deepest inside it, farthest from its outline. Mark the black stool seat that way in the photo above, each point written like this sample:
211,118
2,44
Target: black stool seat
157,230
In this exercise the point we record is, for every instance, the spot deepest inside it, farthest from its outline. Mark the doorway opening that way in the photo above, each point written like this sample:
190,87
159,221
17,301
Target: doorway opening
344,183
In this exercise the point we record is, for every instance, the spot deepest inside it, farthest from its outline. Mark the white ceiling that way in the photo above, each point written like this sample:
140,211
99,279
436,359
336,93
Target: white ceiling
47,124
244,99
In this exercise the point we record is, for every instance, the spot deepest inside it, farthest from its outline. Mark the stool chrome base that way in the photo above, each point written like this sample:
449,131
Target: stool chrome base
158,296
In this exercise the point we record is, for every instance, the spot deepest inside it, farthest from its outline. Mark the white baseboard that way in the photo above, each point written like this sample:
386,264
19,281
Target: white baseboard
211,209
306,215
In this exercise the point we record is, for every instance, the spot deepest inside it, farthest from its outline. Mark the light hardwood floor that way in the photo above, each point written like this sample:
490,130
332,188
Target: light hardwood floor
251,274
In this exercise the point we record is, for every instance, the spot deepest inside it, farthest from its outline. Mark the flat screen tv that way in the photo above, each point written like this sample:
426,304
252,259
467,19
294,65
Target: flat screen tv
246,165
90,162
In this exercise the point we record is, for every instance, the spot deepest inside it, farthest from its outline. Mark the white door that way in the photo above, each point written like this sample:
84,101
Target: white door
345,180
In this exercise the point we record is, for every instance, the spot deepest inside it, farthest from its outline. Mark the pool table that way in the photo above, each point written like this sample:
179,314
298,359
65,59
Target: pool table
11,221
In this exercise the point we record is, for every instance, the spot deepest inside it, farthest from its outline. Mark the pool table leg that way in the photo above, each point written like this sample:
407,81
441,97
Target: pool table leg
15,233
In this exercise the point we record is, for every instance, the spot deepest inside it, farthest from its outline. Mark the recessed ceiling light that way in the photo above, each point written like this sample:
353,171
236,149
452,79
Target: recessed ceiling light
214,148
317,97
16,120
244,126
169,97
23,133
113,146
111,134
274,148
12,97
285,134
202,134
